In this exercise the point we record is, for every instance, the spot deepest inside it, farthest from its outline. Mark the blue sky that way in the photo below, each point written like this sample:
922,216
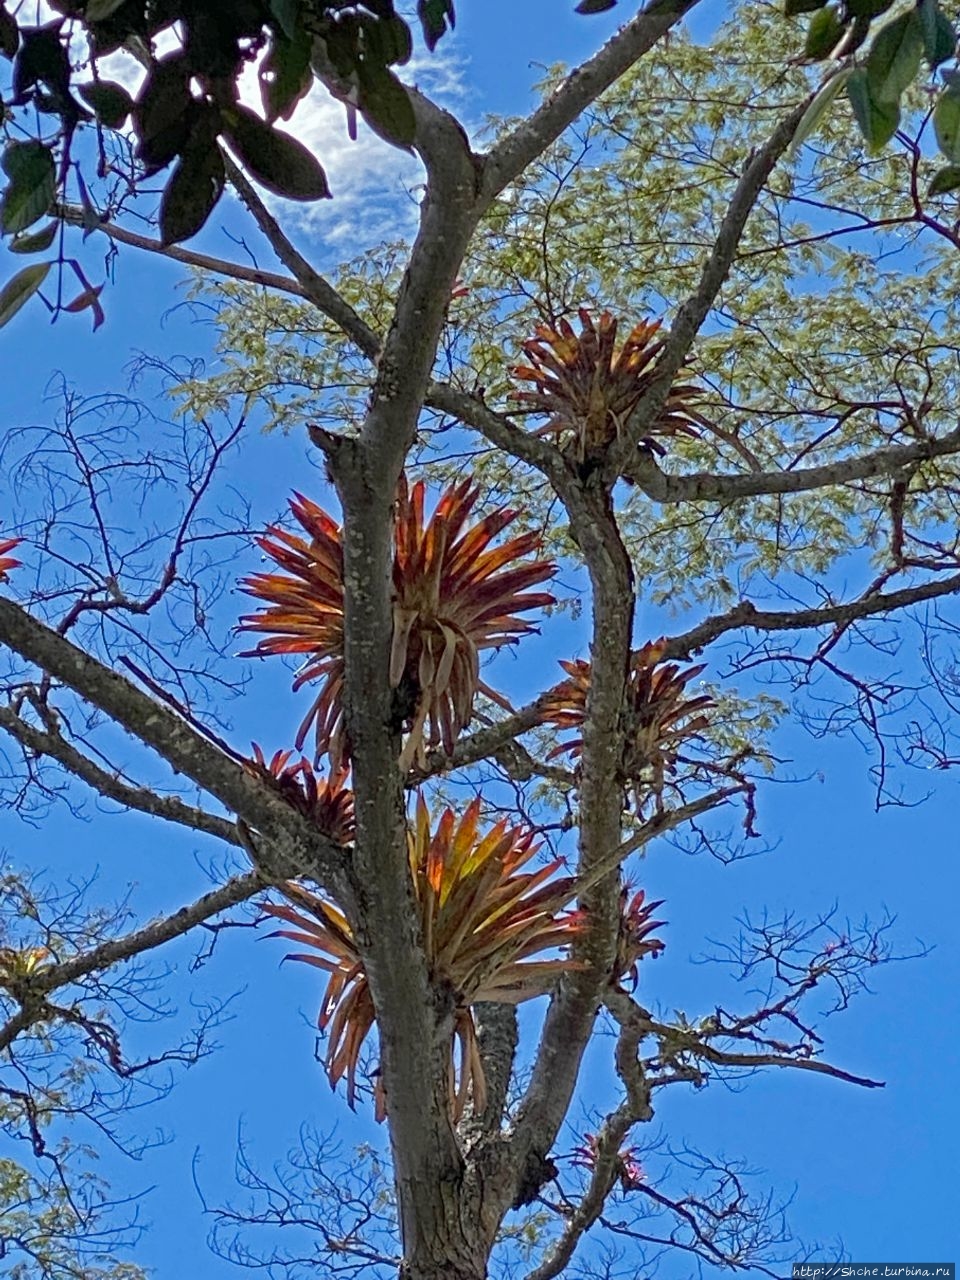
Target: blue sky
875,1168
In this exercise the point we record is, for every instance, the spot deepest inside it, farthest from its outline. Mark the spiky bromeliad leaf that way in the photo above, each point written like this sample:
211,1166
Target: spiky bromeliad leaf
326,801
7,561
454,595
589,387
483,918
633,935
660,715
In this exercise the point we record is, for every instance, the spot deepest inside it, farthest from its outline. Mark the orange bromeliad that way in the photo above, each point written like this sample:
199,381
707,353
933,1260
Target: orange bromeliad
327,801
589,387
6,561
659,714
454,595
482,919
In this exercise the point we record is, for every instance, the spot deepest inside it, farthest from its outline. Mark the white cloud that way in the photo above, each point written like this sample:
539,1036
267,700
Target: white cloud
376,187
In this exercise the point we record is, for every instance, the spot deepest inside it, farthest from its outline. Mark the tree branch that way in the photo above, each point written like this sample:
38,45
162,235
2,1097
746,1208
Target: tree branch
311,285
32,991
745,616
483,743
293,839
76,216
643,471
627,1012
523,144
170,808
694,311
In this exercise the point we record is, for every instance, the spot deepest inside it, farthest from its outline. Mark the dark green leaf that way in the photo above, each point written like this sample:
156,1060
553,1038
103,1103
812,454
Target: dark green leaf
42,60
285,75
287,13
877,120
823,33
387,41
37,242
110,102
894,57
792,8
9,33
867,8
164,112
386,105
32,186
277,161
98,10
946,123
944,180
595,6
434,16
21,289
939,38
192,190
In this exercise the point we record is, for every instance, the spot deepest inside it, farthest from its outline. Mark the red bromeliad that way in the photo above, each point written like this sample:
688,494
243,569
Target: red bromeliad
6,561
589,387
633,935
454,595
626,1165
327,801
482,919
659,715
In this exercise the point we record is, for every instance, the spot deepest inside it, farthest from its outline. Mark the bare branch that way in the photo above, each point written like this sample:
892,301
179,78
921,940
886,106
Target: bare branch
292,837
482,744
745,616
521,146
32,991
705,487
76,216
311,285
53,744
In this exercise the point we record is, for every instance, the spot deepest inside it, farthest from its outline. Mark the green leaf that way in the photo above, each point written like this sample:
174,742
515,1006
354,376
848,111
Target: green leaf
894,57
164,112
277,161
945,179
192,190
98,10
110,102
946,123
9,33
435,15
793,8
388,40
42,60
823,34
877,120
285,75
939,38
595,6
21,289
867,8
32,186
818,108
37,242
386,105
287,14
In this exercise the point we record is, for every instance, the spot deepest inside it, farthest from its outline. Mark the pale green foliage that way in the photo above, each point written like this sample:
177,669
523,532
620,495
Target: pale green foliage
52,1230
834,332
